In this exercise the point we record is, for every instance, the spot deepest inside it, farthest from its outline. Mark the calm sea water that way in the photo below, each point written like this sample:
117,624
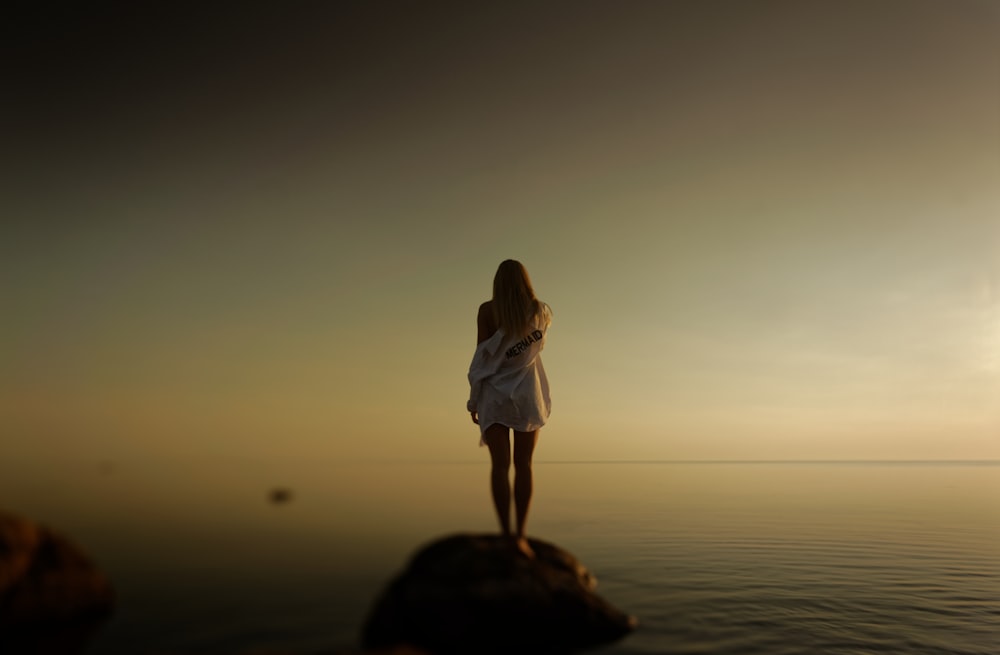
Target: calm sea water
775,558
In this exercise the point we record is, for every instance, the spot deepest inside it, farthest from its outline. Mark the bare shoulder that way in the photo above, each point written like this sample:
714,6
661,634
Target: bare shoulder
485,316
485,322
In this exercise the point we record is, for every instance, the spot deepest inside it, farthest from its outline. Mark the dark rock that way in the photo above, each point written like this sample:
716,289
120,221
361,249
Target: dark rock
52,597
401,649
478,594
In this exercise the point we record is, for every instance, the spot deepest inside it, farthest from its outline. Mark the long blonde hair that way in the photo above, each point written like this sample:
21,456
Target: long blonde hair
514,301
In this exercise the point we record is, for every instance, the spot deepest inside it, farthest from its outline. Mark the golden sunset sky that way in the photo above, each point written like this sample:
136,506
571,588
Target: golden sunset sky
767,230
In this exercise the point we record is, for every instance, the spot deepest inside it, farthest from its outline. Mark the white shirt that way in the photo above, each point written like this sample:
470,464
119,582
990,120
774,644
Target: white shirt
507,381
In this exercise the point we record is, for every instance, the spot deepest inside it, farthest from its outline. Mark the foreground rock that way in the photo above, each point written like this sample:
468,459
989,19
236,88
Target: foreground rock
52,597
477,594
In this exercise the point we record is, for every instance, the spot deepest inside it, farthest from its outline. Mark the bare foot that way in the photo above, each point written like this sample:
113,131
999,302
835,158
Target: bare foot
524,547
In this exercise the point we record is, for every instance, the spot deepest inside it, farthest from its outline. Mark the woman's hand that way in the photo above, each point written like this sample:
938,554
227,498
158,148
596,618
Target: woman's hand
475,417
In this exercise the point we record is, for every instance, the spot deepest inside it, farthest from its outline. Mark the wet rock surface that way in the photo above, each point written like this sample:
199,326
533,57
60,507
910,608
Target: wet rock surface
52,596
470,593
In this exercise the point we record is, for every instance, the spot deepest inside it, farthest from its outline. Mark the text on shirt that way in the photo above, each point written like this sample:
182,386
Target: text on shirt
523,344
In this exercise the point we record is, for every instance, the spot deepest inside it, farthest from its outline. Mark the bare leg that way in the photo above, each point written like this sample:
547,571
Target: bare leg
524,448
497,438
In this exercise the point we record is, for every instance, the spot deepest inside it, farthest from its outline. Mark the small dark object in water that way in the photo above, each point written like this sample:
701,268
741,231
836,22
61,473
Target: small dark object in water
280,495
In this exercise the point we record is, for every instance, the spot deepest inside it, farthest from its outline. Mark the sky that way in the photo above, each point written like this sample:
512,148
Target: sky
767,230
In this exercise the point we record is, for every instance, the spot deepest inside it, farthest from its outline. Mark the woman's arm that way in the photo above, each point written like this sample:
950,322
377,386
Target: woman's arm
486,325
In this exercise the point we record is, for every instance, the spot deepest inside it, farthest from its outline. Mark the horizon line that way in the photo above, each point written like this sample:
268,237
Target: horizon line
990,461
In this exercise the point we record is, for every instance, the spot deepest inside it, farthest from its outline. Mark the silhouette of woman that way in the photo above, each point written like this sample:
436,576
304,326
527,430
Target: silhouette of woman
509,389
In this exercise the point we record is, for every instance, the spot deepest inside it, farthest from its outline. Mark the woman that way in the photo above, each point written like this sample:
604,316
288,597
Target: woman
509,389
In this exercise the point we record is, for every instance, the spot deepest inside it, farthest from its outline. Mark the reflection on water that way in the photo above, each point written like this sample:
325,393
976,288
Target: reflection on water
726,557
